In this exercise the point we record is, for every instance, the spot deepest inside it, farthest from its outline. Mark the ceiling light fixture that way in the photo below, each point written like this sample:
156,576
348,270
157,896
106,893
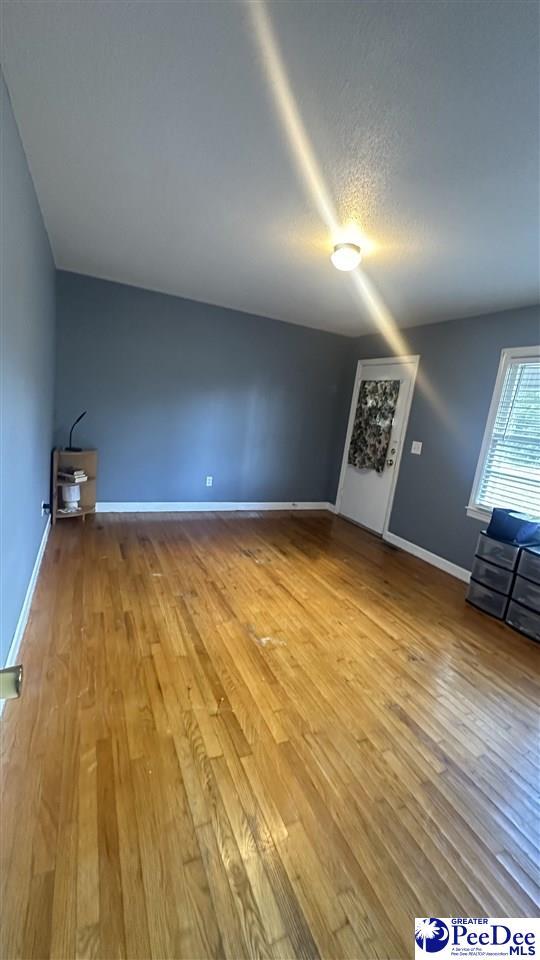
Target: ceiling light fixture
346,256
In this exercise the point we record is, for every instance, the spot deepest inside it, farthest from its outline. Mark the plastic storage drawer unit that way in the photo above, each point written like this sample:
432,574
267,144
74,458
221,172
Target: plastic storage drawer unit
529,564
497,578
487,600
525,620
527,593
497,551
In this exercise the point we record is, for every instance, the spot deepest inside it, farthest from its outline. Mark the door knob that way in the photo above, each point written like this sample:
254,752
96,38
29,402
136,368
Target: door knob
11,682
389,463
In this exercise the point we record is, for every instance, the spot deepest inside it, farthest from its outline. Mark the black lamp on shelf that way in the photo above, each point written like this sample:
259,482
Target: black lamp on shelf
70,448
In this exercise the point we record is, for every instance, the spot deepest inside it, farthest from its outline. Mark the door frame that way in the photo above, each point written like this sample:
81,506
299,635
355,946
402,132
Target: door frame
413,359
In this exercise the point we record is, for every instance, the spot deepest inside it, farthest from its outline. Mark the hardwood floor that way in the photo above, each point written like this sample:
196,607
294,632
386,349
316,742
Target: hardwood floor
260,736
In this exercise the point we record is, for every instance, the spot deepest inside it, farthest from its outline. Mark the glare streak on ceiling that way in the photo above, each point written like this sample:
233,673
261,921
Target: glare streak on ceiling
290,115
307,163
396,341
308,166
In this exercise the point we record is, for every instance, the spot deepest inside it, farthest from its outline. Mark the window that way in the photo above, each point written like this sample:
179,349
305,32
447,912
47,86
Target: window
508,472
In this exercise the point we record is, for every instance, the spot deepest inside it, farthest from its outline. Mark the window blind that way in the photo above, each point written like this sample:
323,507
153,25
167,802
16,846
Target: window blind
511,473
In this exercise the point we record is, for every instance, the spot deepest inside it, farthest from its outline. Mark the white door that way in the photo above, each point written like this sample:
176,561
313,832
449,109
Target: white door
365,495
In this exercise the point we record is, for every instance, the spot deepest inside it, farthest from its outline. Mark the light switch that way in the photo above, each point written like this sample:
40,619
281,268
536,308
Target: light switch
416,447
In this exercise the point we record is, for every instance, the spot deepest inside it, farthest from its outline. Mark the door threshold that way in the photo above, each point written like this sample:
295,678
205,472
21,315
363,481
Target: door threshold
361,526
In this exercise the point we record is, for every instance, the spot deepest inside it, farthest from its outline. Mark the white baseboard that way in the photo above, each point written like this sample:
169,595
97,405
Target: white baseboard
13,651
204,506
452,568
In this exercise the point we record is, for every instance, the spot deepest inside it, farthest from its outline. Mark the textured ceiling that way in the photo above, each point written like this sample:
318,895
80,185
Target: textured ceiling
198,147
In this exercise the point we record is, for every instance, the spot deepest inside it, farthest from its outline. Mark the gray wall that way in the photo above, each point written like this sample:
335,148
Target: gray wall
27,370
460,358
176,390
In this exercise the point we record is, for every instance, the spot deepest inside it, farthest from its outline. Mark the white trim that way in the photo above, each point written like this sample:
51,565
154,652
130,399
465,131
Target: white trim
205,506
508,356
478,513
413,359
13,651
25,609
433,558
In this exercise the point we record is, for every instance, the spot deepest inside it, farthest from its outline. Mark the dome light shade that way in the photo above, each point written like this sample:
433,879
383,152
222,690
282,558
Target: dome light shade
346,256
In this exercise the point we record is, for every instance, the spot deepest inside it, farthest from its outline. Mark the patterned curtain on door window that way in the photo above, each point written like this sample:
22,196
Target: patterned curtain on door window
375,410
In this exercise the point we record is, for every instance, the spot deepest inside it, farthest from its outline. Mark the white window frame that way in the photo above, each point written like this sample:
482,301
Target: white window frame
508,356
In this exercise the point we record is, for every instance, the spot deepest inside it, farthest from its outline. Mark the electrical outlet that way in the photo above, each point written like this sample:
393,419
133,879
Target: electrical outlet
45,508
209,481
416,447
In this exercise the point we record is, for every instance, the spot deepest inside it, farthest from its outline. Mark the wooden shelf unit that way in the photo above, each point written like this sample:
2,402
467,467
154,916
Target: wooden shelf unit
83,460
